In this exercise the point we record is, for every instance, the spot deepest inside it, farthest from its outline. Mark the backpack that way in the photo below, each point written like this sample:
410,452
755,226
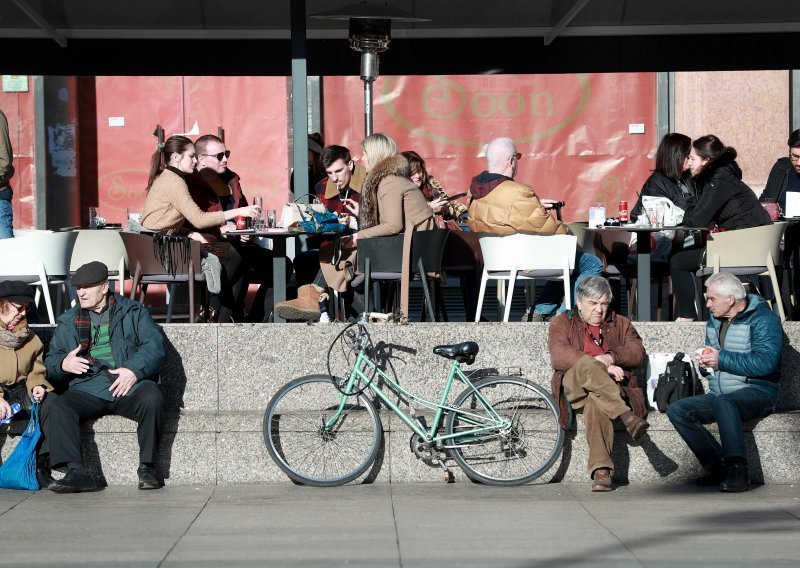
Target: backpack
678,381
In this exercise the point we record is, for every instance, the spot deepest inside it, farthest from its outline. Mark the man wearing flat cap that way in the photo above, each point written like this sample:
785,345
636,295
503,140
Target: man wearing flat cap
108,351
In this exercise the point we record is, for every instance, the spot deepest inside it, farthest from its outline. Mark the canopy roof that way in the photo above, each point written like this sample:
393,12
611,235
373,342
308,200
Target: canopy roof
461,36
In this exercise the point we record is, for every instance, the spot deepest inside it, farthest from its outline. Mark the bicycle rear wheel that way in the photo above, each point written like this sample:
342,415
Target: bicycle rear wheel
512,456
307,451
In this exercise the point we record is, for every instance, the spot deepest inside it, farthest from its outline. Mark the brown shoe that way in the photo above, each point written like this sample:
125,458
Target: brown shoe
304,308
635,426
601,480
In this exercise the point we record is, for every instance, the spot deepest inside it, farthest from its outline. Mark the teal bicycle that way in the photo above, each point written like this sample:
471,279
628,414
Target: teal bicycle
325,430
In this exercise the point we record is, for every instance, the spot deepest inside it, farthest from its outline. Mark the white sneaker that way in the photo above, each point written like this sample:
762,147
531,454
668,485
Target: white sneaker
324,317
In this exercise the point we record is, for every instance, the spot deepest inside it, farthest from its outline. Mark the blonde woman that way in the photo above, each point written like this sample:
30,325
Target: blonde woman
390,203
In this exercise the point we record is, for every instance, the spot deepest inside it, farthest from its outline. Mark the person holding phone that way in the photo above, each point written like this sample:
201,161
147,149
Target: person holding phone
437,198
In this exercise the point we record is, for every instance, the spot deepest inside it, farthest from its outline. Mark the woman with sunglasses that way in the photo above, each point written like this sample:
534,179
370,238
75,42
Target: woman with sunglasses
168,206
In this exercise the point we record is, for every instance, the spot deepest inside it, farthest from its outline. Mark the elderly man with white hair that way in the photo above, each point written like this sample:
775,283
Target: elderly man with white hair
595,355
502,206
742,353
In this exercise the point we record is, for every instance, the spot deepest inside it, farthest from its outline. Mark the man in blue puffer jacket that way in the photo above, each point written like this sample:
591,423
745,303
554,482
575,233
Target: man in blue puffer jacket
744,339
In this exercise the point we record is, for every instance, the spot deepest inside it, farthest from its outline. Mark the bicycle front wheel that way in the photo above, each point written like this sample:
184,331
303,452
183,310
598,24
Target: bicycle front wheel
309,451
514,455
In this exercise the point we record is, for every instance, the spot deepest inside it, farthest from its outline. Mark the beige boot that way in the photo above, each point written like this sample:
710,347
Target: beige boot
304,308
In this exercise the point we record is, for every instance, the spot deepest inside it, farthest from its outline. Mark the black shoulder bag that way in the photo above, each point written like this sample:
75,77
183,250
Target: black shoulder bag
676,382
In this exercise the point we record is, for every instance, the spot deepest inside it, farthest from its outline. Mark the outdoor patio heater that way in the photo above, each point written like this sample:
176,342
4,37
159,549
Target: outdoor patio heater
370,34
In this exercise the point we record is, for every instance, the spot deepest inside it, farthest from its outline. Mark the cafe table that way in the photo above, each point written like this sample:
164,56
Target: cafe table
643,311
278,236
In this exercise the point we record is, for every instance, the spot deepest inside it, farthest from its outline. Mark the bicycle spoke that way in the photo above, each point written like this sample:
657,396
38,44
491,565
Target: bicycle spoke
517,454
301,445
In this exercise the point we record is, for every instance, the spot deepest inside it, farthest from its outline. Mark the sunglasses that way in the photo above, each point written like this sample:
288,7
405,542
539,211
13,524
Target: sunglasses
225,154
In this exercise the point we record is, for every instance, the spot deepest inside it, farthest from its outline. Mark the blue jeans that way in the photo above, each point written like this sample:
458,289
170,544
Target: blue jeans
548,301
729,411
6,219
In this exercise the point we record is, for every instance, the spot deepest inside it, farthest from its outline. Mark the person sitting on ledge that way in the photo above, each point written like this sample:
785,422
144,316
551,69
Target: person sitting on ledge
594,354
744,339
108,351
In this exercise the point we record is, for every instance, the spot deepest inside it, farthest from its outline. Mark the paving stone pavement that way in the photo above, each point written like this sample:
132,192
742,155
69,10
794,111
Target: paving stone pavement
405,526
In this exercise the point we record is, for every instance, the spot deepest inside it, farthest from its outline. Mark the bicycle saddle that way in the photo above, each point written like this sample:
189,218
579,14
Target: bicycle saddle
461,352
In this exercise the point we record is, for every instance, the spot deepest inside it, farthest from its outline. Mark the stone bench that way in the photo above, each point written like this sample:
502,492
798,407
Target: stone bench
218,379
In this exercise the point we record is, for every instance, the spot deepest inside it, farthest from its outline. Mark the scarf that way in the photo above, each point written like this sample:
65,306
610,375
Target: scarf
83,322
13,340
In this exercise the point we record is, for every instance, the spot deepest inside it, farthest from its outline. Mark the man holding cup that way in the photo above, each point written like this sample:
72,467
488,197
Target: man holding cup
742,354
215,187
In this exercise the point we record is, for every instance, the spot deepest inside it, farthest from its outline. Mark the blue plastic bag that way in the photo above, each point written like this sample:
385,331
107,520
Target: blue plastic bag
19,470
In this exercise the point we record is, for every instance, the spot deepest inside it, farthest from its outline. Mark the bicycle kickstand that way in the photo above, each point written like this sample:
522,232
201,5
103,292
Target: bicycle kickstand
448,474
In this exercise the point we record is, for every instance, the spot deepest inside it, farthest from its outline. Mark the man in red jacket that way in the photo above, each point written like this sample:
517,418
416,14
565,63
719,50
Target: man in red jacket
594,354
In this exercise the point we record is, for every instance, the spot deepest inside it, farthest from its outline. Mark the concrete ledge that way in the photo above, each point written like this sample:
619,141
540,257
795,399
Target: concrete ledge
218,379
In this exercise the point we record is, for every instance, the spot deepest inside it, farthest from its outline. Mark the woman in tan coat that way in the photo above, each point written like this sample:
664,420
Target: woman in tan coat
22,372
390,204
169,205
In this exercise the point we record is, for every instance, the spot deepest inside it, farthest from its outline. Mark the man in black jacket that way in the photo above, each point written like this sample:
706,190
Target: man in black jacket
785,178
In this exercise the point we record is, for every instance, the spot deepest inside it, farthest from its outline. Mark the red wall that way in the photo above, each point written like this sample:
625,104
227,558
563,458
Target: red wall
571,129
252,111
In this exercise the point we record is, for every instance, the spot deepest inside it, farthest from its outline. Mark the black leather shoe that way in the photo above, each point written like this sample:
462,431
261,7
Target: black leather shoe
75,482
44,478
738,479
147,477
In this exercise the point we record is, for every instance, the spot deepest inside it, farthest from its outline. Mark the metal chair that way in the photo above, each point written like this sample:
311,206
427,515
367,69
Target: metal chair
381,259
613,249
522,256
146,268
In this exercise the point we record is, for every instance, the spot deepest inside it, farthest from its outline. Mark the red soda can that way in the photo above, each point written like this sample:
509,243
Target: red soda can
242,222
623,212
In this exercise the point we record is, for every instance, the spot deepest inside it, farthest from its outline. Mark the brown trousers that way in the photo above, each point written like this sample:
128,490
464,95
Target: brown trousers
589,389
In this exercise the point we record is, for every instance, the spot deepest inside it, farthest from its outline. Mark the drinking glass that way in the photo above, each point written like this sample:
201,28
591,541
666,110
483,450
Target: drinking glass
651,216
660,210
258,222
271,218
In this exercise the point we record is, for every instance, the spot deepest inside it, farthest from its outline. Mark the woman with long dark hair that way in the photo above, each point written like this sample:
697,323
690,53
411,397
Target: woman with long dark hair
169,205
724,202
433,191
670,176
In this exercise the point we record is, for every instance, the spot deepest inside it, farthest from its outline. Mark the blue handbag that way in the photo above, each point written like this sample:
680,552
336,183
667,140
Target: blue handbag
326,222
19,470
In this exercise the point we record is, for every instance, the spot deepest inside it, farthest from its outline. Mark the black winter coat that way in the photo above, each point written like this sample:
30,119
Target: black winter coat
724,199
680,193
777,182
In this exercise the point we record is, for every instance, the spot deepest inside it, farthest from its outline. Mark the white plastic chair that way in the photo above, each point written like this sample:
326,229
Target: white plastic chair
38,258
526,257
747,252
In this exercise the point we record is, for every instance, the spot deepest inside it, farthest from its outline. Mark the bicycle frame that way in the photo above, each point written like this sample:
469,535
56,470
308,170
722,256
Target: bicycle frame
481,423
